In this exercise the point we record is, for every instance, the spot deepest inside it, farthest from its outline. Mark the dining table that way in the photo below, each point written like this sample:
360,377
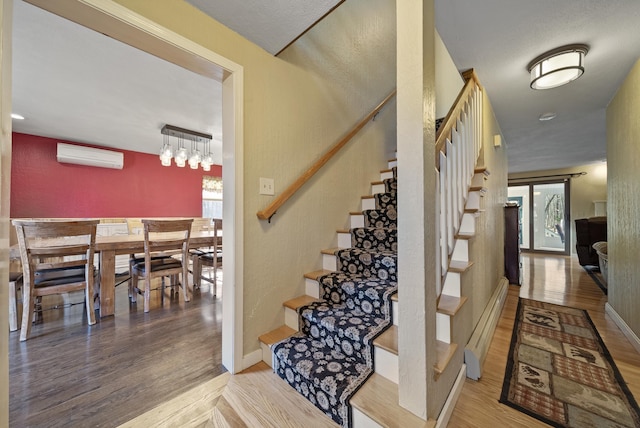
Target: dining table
108,247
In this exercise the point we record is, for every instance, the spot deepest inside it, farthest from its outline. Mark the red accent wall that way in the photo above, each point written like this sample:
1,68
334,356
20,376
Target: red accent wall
43,187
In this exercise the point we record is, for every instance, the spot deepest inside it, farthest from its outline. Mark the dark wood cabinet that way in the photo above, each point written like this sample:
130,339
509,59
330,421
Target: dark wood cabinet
512,265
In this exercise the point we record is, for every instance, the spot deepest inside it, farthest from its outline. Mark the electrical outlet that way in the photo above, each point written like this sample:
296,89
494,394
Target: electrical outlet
266,186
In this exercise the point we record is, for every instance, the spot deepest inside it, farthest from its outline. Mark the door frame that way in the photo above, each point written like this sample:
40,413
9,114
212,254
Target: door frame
122,24
567,214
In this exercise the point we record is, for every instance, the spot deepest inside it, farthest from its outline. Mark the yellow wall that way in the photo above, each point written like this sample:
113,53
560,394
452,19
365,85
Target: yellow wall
295,107
583,190
623,223
5,174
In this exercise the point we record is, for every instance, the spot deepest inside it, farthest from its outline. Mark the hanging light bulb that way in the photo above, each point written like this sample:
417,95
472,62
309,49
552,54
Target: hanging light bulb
181,154
166,153
207,160
194,158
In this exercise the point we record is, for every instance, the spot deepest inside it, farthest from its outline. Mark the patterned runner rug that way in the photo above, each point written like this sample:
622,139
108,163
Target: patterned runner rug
560,372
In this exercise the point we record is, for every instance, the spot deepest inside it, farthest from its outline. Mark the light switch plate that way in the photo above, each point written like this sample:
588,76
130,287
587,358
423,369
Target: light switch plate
266,186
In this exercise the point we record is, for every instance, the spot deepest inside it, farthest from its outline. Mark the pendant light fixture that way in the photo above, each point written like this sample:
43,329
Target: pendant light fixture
181,155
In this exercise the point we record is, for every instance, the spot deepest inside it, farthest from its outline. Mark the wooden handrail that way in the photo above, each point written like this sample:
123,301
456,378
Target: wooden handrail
270,210
450,120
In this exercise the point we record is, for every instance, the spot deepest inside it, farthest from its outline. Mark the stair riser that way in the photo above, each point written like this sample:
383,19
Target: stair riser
360,420
473,201
368,204
291,318
460,251
451,285
357,220
443,327
392,163
329,262
266,354
344,240
386,364
377,188
385,175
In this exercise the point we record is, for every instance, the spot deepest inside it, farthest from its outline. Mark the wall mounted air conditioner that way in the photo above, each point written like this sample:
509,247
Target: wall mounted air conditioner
81,155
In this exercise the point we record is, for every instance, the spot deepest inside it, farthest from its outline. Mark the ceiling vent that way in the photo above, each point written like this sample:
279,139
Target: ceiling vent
81,155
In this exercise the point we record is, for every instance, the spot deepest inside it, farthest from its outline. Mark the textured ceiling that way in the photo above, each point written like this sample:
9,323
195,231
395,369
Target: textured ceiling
270,24
79,85
500,37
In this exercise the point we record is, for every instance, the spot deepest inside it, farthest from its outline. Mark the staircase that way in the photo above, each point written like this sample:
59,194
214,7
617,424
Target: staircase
348,318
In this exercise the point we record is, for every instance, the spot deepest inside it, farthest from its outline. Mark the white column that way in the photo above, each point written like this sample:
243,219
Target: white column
417,220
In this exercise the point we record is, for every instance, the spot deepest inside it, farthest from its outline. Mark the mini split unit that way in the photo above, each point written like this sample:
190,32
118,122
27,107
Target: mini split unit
81,155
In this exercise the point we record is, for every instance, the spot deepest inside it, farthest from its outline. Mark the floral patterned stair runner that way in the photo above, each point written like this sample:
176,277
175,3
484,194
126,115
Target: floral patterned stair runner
332,355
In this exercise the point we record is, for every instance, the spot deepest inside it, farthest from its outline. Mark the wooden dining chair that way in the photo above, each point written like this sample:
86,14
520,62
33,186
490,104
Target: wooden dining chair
211,258
160,238
57,258
15,287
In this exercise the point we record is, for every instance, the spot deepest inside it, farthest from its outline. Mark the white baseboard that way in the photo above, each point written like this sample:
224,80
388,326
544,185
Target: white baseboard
476,350
251,359
622,325
452,399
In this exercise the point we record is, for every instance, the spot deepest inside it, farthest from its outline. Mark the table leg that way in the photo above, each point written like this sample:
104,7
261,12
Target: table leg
107,283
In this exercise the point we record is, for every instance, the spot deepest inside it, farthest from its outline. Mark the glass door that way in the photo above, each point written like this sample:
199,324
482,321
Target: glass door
549,217
544,215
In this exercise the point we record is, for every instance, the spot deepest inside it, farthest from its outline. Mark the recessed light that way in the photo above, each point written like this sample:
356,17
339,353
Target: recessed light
17,116
547,116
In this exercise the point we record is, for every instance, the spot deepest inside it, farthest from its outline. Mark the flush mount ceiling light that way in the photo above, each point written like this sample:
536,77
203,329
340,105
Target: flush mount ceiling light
557,67
17,116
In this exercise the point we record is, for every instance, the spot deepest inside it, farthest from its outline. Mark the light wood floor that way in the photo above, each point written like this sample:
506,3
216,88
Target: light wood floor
258,398
559,280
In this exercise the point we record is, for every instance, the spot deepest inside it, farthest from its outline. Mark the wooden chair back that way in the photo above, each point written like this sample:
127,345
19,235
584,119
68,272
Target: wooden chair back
57,257
161,238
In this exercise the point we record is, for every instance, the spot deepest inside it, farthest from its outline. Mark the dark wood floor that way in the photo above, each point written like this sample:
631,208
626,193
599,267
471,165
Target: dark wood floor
71,374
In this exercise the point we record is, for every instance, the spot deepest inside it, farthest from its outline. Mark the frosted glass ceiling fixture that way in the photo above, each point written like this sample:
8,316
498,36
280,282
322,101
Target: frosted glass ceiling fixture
181,156
557,67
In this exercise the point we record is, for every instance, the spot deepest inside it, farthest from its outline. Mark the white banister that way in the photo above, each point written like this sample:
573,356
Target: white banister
459,145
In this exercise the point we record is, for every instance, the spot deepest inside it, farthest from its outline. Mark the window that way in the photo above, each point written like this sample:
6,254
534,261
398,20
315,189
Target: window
211,197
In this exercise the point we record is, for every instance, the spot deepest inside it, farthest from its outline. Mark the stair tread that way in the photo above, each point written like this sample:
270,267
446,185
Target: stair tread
458,266
317,274
388,340
481,170
330,251
343,231
444,353
450,305
378,399
394,297
386,170
377,182
226,415
275,336
465,235
356,213
299,301
367,197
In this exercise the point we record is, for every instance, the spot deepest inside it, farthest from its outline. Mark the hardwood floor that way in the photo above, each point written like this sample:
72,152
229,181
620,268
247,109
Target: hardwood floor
554,279
252,398
71,374
154,388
